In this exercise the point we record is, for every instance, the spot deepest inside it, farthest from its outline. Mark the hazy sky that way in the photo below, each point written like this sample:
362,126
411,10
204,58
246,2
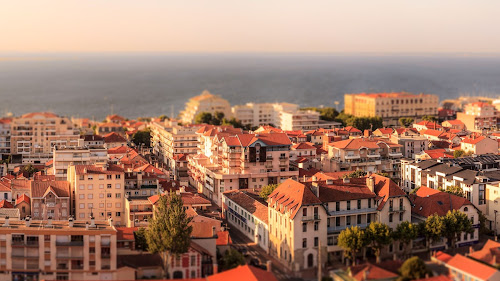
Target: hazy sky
386,26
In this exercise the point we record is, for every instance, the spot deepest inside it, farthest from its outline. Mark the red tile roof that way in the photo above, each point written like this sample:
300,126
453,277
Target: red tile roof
6,204
91,169
454,122
44,114
474,140
223,238
40,188
243,273
23,198
357,143
249,203
303,145
125,233
438,153
148,168
442,256
428,201
385,188
436,278
292,195
472,267
114,138
490,253
371,272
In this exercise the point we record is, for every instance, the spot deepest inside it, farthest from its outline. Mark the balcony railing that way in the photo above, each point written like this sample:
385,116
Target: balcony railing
394,209
332,229
352,211
69,243
310,218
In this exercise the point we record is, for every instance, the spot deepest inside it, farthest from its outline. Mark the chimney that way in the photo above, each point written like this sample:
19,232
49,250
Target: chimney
87,225
182,189
27,221
346,180
214,233
269,265
370,183
84,170
70,222
92,222
6,221
314,178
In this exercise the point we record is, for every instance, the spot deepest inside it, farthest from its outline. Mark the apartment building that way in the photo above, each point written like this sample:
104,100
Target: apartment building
206,102
479,145
62,250
391,106
98,191
241,161
5,137
64,156
411,143
34,136
299,120
257,114
305,219
248,213
366,154
479,116
50,199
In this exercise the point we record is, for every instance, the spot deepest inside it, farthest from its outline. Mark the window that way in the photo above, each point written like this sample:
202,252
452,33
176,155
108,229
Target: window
109,185
91,205
82,196
101,186
400,216
359,219
101,195
109,195
82,177
118,205
101,205
348,220
109,205
316,226
316,241
193,260
304,243
118,195
369,203
330,241
118,214
109,177
390,217
118,186
348,204
90,177
90,196
82,215
101,177
359,204
337,221
90,186
304,212
81,187
82,206
117,177
337,206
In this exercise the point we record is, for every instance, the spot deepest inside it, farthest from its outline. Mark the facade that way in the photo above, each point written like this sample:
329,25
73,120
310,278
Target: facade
305,218
34,136
479,116
98,191
391,106
36,250
5,136
50,199
257,114
241,161
247,212
65,156
366,154
206,102
479,145
299,120
411,143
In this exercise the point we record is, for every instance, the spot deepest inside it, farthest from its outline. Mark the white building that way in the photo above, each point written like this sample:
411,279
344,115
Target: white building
206,102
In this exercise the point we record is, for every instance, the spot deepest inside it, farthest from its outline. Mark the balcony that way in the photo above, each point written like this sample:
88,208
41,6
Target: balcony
373,155
69,243
352,212
311,218
349,157
395,154
333,229
394,210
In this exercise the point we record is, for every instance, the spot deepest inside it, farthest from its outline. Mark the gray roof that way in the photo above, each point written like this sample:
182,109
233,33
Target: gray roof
426,164
482,159
469,176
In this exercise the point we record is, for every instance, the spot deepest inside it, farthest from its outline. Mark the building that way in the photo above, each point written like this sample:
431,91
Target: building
49,250
206,102
479,116
465,268
391,106
5,137
109,127
64,156
34,136
113,139
479,145
247,212
305,219
258,114
241,161
454,124
412,143
98,191
50,199
366,154
428,202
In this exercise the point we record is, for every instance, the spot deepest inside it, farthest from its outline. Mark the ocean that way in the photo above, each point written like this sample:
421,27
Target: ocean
134,85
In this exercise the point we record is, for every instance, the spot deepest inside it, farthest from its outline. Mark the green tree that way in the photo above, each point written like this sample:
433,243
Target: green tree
384,174
169,231
405,233
140,239
30,169
203,118
432,229
217,118
142,137
379,235
455,190
355,174
406,121
352,240
430,118
266,190
454,224
458,153
231,259
412,269
163,117
326,113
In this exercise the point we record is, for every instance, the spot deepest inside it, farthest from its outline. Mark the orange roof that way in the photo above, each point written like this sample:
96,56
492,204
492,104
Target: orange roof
249,203
442,256
474,140
322,176
244,140
303,145
91,169
472,267
428,201
371,272
386,188
6,204
125,233
292,195
23,198
243,273
438,153
223,238
429,124
113,137
44,114
480,104
436,278
148,168
390,95
358,143
490,253
454,122
431,132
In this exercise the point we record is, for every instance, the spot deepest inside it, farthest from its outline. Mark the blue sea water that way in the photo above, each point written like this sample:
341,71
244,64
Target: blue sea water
133,85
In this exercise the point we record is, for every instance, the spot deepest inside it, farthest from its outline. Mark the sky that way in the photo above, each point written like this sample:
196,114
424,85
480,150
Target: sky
270,26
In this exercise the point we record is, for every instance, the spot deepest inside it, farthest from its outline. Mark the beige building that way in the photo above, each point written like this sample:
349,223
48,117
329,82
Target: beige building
50,199
98,190
5,136
206,102
241,161
34,135
78,155
299,120
257,114
391,106
36,250
479,116
479,145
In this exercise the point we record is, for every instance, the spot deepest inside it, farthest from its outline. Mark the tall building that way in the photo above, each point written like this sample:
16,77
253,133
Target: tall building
98,191
4,137
479,116
34,136
49,250
64,156
257,114
391,106
206,102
